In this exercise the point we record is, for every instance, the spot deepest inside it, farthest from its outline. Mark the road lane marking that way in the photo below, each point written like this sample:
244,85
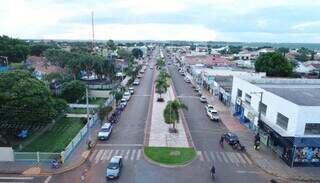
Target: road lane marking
133,153
127,155
248,160
241,158
138,154
224,157
93,154
206,156
104,156
243,171
110,153
99,155
218,156
121,153
212,156
200,155
16,178
229,154
121,145
47,179
116,152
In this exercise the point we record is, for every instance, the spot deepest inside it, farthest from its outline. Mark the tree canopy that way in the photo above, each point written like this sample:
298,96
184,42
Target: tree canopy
171,112
137,53
274,64
15,49
73,90
25,99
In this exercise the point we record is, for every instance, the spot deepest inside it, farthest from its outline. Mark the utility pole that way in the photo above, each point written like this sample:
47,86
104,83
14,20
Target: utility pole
88,118
92,26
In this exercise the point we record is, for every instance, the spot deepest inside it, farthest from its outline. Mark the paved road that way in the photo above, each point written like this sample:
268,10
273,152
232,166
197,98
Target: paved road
127,140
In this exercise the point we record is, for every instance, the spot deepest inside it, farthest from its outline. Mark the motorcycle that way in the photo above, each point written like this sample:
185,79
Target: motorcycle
56,163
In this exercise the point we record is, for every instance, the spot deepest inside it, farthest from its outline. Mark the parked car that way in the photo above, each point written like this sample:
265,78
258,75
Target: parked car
105,131
151,67
136,82
114,167
139,76
131,90
197,89
203,99
123,102
127,95
187,80
231,138
199,93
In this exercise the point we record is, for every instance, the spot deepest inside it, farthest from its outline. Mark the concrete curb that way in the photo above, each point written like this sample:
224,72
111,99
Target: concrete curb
166,165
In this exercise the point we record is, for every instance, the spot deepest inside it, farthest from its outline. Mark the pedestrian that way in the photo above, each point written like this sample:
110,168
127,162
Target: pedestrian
221,141
273,181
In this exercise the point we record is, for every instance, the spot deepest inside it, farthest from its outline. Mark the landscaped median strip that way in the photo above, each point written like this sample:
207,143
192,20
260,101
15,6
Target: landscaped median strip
170,155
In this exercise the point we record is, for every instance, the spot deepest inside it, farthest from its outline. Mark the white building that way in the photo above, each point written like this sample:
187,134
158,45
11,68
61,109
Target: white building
290,115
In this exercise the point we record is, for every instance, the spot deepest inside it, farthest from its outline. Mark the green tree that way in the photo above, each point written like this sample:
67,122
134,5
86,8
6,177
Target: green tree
104,111
283,51
26,100
111,45
15,49
38,49
160,63
73,90
137,53
274,64
161,87
171,113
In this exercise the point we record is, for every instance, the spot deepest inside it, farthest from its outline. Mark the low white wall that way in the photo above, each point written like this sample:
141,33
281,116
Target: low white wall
6,154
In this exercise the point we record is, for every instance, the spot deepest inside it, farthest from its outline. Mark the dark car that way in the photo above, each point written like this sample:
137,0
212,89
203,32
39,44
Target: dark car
231,138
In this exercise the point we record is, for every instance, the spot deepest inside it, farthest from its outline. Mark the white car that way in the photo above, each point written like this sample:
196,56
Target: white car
127,95
105,131
139,76
131,90
203,99
212,113
187,80
114,167
123,102
151,67
136,82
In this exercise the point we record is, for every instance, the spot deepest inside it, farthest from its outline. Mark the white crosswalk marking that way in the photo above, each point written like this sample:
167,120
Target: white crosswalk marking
110,154
138,154
104,155
127,155
98,156
133,153
218,156
241,158
248,160
200,155
206,156
212,156
93,154
121,153
224,157
116,153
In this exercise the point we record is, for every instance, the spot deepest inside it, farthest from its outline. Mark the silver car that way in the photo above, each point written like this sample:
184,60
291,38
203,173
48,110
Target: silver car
114,167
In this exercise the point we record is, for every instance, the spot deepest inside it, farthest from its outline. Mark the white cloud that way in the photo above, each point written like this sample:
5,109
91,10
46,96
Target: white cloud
305,25
137,32
262,23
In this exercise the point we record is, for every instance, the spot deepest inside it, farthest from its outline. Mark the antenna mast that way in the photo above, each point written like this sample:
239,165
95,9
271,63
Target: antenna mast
92,25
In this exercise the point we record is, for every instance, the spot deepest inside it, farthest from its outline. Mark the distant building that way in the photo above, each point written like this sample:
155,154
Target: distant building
290,117
42,67
207,60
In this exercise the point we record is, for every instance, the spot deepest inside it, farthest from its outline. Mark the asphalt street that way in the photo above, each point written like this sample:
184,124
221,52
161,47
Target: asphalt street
127,140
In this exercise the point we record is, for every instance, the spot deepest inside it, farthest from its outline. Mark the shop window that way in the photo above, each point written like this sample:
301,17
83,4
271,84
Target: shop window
263,108
282,121
239,93
248,99
312,129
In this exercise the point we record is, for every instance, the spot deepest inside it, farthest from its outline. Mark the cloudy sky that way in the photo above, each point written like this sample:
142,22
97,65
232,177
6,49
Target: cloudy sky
204,20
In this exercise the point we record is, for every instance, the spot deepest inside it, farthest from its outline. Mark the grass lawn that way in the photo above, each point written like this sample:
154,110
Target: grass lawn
77,111
56,138
170,155
93,101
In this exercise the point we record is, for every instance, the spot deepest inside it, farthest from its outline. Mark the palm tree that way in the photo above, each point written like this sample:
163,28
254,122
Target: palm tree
161,87
160,63
171,113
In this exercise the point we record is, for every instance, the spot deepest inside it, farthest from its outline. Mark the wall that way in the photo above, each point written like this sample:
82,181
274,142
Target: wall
6,154
274,104
307,114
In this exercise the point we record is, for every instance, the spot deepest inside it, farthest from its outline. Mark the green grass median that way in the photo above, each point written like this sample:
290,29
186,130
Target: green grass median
170,155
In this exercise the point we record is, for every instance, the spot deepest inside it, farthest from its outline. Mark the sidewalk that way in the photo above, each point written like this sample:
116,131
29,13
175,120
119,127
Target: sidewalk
265,158
76,159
